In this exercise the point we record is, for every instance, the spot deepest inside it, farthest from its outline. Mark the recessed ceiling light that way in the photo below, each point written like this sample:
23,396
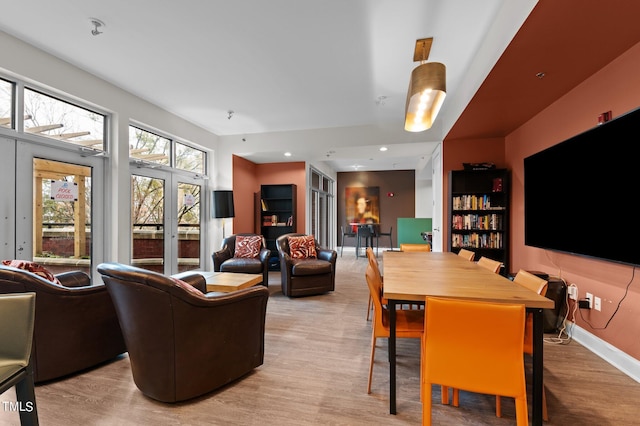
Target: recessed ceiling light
383,148
287,154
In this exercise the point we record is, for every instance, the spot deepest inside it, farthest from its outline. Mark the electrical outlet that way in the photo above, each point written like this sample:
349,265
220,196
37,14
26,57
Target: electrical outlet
597,304
590,297
572,290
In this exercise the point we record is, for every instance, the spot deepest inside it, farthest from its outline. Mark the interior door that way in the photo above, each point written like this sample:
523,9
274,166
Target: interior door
436,162
59,208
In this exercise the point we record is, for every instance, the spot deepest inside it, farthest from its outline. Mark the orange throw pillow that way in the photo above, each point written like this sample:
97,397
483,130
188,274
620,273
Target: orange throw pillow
303,247
247,246
32,267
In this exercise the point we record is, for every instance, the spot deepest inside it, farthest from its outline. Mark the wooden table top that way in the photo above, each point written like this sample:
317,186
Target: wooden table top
416,275
229,281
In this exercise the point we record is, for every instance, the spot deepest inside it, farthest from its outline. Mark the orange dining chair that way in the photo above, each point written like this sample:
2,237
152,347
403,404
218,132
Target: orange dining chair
484,355
409,323
373,261
467,254
539,285
490,264
415,247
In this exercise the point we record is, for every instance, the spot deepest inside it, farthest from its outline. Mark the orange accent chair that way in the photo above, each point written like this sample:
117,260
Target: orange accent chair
484,355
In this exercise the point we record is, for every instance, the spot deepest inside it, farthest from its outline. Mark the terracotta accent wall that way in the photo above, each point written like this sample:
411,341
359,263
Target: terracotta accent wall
245,182
615,88
403,204
247,178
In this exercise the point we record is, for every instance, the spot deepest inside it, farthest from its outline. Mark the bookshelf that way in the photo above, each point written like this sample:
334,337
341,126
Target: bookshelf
276,216
479,213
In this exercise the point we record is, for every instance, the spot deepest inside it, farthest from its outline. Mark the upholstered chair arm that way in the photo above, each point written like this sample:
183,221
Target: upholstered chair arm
264,254
194,279
74,279
220,256
328,255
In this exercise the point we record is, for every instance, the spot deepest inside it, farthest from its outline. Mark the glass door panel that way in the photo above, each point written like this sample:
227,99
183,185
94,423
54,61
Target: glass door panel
189,226
148,222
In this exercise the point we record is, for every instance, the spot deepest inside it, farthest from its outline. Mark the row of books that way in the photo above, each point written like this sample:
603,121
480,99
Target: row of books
477,221
272,220
492,240
473,202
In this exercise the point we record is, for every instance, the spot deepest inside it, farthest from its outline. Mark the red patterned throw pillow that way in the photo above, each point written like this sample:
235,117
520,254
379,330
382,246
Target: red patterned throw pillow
303,247
186,286
247,246
32,267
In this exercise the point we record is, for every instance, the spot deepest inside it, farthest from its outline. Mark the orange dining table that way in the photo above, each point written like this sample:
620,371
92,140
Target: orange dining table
413,276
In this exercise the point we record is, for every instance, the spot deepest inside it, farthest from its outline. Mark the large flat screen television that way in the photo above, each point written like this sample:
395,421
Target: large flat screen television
581,195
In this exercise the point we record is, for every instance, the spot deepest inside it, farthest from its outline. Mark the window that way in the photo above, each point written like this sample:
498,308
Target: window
53,118
6,102
148,147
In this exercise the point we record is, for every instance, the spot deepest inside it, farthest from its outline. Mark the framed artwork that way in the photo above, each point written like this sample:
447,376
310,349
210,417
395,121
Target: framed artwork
362,204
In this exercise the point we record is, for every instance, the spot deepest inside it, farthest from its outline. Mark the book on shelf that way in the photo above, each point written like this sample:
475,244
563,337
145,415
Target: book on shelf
290,221
263,203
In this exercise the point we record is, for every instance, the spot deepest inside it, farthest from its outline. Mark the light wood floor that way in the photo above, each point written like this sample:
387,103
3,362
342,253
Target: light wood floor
315,373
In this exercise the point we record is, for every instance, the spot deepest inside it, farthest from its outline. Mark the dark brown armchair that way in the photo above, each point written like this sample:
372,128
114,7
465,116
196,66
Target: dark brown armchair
76,326
307,276
224,260
184,343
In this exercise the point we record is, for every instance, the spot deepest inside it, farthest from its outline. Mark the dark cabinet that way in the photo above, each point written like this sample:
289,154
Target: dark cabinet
277,216
479,213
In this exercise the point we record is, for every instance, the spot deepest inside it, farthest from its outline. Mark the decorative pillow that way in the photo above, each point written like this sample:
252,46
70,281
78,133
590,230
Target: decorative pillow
302,247
247,246
186,286
32,267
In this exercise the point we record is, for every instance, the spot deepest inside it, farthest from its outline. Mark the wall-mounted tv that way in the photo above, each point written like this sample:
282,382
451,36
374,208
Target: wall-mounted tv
581,195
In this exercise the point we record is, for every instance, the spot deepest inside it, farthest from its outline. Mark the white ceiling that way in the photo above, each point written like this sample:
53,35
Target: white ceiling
282,66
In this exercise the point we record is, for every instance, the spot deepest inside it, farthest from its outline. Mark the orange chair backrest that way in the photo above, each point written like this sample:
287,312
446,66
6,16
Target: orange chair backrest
374,282
490,264
532,282
415,247
483,354
467,254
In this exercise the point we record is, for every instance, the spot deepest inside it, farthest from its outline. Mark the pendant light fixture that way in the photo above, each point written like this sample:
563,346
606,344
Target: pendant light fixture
427,89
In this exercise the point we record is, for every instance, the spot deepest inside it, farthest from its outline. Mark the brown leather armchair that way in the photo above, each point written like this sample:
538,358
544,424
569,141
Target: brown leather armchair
224,260
306,277
184,343
76,326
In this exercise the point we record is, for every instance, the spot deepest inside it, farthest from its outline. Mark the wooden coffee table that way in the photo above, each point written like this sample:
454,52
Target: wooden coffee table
229,281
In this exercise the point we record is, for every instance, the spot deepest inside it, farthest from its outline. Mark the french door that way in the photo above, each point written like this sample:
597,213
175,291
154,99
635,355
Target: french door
166,221
59,208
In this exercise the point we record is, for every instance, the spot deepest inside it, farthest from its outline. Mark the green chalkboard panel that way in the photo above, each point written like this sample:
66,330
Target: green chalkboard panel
409,229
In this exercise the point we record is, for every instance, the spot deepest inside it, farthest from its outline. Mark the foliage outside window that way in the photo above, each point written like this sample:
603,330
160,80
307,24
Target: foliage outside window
57,119
189,159
6,100
147,146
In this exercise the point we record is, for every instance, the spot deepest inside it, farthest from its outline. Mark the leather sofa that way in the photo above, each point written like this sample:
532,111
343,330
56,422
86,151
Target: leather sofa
76,326
184,343
306,277
224,260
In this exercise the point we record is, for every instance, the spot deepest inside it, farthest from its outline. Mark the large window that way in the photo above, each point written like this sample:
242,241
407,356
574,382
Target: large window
6,103
57,119
147,147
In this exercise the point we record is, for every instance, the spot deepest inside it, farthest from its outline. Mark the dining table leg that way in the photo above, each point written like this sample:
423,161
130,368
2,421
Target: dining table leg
392,356
538,367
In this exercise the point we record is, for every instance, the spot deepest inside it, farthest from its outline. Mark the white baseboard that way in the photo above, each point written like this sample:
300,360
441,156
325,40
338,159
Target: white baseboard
614,356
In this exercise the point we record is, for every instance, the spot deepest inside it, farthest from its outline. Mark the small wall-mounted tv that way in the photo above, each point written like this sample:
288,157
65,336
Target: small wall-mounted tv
581,195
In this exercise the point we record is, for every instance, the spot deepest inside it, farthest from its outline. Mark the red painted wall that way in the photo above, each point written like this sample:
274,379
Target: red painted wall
247,178
615,88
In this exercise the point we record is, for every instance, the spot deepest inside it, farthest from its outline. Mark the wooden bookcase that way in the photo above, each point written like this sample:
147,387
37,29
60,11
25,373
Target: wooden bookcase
479,213
276,215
